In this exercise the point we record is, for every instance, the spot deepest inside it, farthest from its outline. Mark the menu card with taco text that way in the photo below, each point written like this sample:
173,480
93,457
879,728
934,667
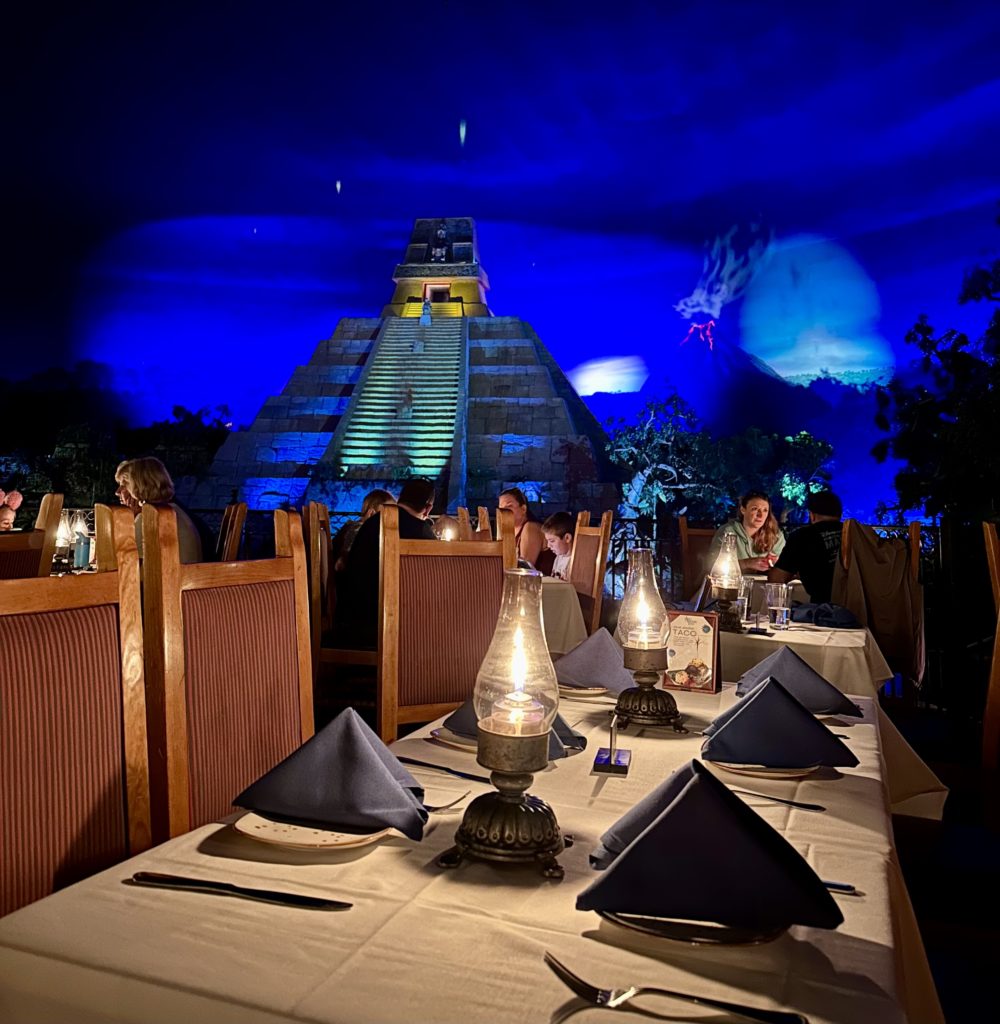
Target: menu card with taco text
693,652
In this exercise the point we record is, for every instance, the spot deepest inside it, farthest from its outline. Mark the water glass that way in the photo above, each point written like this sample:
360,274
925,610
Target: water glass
778,611
744,602
740,607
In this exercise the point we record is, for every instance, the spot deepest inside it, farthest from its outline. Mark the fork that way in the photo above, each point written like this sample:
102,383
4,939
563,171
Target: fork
449,805
613,998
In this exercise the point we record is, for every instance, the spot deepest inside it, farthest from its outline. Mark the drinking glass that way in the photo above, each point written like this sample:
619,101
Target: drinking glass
744,603
778,611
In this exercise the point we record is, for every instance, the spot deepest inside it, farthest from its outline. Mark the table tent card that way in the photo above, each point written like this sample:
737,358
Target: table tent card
562,739
598,661
721,861
801,680
771,728
344,778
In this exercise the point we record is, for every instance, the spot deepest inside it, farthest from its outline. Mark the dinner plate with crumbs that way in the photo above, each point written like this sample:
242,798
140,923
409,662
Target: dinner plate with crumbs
447,738
762,771
304,837
582,692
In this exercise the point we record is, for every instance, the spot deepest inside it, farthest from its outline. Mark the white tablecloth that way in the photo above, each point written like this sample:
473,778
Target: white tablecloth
848,658
563,619
429,945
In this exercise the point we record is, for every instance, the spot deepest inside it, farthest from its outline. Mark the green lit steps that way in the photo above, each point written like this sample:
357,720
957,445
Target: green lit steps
405,417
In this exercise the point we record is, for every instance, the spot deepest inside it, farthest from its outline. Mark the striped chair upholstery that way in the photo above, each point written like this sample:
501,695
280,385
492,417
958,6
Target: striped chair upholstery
74,795
229,672
439,606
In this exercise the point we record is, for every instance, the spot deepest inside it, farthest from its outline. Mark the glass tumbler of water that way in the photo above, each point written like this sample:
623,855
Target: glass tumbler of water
744,603
778,611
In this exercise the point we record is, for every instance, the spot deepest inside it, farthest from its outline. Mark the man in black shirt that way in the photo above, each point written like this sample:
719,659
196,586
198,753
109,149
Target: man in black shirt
356,617
812,552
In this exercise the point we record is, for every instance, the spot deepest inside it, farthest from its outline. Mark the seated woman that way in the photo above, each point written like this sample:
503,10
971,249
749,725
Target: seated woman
759,539
528,536
344,537
147,480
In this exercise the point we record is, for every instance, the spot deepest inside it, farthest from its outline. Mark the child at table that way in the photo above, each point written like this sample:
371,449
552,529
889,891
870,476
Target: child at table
558,530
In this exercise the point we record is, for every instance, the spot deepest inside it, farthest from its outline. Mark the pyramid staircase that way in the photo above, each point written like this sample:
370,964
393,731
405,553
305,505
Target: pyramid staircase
404,419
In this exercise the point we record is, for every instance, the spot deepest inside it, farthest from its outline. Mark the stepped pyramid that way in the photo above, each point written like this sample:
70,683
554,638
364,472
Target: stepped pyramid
436,387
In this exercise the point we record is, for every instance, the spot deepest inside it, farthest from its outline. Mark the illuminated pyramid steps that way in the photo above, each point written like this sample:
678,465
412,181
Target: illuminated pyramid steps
412,309
405,415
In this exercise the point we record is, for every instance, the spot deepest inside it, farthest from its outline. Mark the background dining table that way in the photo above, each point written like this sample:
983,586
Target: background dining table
848,658
561,615
428,944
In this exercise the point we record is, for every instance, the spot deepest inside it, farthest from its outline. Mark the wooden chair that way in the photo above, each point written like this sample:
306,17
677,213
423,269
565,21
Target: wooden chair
991,713
29,553
482,528
438,607
695,544
227,546
588,565
74,788
322,593
228,670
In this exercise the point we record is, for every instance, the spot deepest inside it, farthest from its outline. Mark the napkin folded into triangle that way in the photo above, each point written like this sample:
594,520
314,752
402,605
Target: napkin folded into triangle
801,680
344,778
770,727
597,661
706,856
463,722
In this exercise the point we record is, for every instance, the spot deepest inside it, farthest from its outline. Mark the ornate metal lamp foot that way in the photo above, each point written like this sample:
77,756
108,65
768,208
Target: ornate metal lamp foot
729,621
644,703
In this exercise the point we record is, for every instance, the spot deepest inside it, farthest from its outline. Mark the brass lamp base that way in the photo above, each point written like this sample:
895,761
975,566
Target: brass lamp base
644,703
510,826
729,621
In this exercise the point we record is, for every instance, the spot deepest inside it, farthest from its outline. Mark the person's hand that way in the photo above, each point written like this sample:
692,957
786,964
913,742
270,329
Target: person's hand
761,564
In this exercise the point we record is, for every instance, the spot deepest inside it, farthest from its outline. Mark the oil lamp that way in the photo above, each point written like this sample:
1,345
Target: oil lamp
643,628
515,699
725,579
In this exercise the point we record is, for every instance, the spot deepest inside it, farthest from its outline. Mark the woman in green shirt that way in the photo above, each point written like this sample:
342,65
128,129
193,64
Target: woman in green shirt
759,539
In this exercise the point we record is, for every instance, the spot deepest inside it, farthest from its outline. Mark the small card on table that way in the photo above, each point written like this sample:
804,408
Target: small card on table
693,661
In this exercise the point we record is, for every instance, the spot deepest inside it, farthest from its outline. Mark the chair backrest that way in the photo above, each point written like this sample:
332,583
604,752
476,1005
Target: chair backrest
588,565
991,535
322,593
991,712
227,545
479,531
29,553
695,544
228,670
438,607
104,542
74,789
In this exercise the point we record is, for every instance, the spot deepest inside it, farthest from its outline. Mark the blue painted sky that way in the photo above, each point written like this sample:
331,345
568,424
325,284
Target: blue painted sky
172,208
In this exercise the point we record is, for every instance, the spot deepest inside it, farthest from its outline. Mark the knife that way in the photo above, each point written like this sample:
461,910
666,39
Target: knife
443,768
157,880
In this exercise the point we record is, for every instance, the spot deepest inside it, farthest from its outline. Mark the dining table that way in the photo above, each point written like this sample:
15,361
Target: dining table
428,944
848,658
562,616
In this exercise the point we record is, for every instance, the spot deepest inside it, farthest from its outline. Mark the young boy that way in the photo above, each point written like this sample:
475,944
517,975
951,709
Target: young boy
558,530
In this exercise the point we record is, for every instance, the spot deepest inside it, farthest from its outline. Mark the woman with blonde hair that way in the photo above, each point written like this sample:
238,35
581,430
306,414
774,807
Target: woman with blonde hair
759,539
146,480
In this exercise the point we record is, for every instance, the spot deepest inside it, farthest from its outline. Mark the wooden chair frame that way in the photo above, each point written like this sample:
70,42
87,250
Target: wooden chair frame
166,578
120,588
465,528
693,576
322,593
43,535
991,711
596,590
227,546
390,714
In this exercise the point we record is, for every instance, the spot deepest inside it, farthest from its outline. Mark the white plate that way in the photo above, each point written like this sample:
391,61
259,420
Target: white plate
451,739
303,837
763,772
583,691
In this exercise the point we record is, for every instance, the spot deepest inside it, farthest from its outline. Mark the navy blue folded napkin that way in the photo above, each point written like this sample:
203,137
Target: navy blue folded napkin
706,856
463,722
833,616
597,661
801,680
344,778
771,728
